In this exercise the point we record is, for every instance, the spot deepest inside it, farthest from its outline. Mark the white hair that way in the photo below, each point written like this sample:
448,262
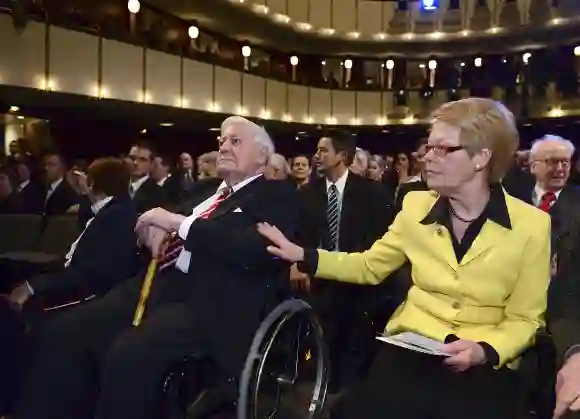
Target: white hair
279,161
260,135
551,139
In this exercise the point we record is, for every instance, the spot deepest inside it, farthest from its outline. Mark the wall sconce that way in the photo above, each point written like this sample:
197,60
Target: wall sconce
246,52
432,69
294,63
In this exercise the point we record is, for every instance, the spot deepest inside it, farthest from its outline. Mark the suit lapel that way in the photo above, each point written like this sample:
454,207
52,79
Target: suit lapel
347,212
444,246
490,234
238,198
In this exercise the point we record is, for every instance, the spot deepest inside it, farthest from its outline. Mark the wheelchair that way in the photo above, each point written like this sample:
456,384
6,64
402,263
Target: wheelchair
287,353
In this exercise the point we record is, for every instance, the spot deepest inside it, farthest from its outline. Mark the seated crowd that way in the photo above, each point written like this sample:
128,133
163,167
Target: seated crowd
466,241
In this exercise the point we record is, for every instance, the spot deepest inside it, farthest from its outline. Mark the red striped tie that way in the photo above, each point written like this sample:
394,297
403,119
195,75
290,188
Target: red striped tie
175,245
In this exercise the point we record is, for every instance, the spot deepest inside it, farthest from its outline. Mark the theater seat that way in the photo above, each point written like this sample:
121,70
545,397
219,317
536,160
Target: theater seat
20,232
48,250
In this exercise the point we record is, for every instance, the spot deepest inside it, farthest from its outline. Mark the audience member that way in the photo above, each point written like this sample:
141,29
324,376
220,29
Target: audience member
481,269
277,168
60,196
143,189
105,252
300,167
221,280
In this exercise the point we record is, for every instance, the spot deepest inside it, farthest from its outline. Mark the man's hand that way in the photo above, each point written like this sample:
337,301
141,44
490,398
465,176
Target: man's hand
465,354
160,218
154,238
568,387
19,296
300,280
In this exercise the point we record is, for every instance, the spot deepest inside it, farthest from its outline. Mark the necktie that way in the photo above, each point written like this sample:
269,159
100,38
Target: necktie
332,219
547,200
175,245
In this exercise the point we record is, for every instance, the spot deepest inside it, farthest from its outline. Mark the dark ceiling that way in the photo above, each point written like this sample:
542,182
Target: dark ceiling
242,24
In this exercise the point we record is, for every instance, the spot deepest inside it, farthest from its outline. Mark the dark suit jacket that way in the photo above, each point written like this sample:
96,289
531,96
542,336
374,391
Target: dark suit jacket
564,293
31,199
519,183
233,280
176,190
61,199
10,204
404,189
105,255
149,195
365,213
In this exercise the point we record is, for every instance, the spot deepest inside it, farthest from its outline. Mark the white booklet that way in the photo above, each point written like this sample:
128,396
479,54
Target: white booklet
415,342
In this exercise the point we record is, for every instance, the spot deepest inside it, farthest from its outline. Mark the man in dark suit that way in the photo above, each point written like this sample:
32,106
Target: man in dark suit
213,286
105,252
31,195
144,190
344,212
60,196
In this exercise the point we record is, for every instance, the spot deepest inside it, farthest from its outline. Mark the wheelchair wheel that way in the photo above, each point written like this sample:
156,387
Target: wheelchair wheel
288,354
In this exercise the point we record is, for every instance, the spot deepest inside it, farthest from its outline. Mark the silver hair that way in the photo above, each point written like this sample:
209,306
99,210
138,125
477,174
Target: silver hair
554,139
210,157
260,135
280,162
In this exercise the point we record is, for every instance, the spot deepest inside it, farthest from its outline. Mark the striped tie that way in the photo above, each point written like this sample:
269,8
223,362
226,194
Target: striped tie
332,219
175,245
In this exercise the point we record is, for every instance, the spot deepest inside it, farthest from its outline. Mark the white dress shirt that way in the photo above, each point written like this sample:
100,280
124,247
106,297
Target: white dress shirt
96,207
340,185
52,188
162,181
539,192
184,258
23,185
134,186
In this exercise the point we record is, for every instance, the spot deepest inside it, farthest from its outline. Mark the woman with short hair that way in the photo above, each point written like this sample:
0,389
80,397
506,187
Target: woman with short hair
480,264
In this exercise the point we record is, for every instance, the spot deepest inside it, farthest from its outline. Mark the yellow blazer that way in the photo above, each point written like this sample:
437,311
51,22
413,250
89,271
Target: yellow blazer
496,294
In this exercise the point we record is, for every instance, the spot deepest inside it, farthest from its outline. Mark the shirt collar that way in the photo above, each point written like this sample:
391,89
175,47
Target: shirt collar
55,184
138,183
539,193
162,181
496,209
340,183
24,184
224,186
100,204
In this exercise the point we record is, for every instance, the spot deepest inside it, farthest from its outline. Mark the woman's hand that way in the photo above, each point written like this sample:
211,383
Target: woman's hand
283,248
464,355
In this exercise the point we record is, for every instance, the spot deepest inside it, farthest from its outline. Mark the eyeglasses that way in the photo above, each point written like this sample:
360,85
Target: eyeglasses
442,150
554,162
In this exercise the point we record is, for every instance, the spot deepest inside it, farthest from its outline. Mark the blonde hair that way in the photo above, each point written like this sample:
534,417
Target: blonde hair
483,124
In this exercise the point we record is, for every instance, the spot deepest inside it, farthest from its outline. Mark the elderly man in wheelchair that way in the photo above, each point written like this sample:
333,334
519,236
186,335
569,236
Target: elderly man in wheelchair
214,286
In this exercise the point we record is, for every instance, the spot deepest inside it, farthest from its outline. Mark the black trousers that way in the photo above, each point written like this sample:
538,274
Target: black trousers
348,330
406,384
95,346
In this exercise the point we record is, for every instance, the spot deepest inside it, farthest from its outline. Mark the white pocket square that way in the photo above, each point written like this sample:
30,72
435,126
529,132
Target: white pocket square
238,209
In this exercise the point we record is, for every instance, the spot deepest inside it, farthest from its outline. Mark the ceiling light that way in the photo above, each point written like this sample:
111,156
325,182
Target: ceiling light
380,36
577,51
327,31
20,117
143,131
390,64
409,35
287,117
13,109
215,129
556,21
348,64
556,112
246,51
494,30
354,35
436,35
421,65
478,62
294,60
465,32
432,65
166,124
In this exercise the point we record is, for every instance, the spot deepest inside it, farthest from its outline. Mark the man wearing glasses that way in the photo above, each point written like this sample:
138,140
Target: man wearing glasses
550,163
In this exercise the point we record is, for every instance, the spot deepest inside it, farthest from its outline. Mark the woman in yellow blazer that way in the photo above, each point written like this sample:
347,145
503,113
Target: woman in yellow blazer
480,268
